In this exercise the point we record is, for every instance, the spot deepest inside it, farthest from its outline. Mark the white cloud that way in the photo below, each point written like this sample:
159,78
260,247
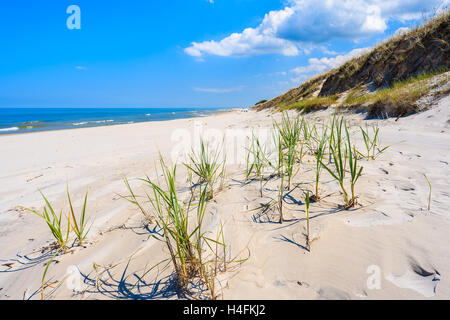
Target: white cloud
219,90
80,68
316,66
321,21
251,41
305,23
323,64
400,31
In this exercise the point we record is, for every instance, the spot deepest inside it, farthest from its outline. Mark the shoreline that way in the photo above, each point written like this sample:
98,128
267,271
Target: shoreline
105,122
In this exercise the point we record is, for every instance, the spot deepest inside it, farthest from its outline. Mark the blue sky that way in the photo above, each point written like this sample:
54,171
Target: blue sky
196,53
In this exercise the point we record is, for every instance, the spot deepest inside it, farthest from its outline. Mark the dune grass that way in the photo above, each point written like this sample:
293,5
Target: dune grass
290,157
132,198
206,164
289,130
311,104
277,165
281,195
400,99
355,171
46,284
55,224
319,155
61,233
340,158
371,143
183,241
172,218
256,161
80,228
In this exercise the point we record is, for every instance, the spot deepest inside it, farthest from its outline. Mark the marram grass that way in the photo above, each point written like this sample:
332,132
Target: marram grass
319,157
80,227
256,161
55,224
290,131
207,165
371,143
339,157
184,242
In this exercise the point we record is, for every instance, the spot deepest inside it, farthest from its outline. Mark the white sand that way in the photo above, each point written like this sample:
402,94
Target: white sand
391,232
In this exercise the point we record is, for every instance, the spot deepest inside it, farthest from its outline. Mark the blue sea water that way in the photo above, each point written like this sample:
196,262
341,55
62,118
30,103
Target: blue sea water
23,120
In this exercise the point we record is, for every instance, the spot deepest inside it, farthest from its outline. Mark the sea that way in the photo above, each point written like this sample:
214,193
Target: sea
25,120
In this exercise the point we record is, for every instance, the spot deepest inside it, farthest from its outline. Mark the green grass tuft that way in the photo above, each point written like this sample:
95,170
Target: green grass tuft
311,104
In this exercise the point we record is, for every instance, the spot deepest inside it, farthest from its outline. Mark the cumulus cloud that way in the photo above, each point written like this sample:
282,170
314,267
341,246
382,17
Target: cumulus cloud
316,66
303,23
251,41
323,64
321,21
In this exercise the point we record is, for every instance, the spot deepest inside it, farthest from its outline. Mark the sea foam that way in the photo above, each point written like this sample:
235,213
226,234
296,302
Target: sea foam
10,129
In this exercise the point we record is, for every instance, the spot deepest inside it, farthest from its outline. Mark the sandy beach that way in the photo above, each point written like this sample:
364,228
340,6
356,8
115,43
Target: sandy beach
387,247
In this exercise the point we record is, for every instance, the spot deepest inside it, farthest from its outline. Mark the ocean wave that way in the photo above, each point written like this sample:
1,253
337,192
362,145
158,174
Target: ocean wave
86,122
199,113
148,114
9,129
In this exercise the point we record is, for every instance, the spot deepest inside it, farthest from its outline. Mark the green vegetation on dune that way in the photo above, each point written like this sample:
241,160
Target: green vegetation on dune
419,50
396,70
400,99
311,104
